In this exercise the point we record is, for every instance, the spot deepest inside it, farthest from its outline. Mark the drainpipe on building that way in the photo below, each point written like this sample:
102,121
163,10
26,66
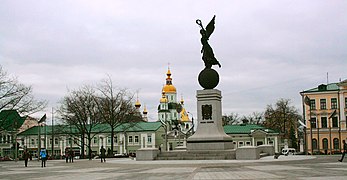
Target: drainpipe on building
339,107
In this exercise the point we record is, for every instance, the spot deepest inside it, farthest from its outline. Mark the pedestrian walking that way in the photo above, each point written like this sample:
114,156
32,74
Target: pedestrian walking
344,150
43,155
71,155
102,153
26,157
66,155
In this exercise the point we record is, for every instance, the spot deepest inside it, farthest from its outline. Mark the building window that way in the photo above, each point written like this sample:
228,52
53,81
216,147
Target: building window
248,143
324,122
50,141
115,139
130,139
240,143
325,143
333,103
313,104
259,143
313,123
149,139
95,139
56,141
314,144
335,121
32,142
136,139
108,140
346,103
336,144
323,104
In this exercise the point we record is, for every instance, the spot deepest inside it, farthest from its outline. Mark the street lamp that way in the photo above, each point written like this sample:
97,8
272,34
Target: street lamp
43,119
192,122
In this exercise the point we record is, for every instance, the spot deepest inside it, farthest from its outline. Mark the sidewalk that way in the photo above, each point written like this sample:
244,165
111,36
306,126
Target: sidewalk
286,167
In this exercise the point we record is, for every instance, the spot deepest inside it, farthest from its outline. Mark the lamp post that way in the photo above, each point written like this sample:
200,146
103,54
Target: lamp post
192,122
52,155
43,119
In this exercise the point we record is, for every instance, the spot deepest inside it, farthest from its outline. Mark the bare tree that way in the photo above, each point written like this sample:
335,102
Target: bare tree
79,110
17,96
116,107
256,118
231,119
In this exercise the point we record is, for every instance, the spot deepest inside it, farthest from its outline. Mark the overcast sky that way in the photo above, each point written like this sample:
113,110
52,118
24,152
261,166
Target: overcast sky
268,49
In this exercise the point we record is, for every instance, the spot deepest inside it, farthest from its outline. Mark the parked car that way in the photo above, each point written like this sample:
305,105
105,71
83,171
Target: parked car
288,151
121,155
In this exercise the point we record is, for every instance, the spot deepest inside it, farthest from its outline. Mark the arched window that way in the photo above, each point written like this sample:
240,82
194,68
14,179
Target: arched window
314,144
325,143
336,144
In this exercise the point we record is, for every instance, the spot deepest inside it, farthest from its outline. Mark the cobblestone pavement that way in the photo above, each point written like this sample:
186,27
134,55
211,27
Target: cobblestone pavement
286,167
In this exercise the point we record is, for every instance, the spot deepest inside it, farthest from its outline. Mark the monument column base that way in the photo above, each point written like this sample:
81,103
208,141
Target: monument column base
210,133
209,145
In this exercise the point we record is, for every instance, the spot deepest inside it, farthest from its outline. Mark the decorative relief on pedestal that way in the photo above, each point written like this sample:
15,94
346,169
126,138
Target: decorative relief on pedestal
206,112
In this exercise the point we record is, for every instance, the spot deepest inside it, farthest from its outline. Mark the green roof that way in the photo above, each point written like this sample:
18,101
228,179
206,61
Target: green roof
323,87
10,120
101,128
244,128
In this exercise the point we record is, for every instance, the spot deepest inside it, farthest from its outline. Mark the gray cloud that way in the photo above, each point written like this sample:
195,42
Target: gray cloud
268,49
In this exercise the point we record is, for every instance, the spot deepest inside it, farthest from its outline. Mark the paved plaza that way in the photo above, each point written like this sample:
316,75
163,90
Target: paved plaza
286,167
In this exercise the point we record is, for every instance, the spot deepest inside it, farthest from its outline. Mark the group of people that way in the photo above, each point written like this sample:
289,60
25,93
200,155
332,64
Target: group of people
69,155
43,156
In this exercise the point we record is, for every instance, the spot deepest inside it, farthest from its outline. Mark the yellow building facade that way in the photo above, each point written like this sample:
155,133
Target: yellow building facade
324,112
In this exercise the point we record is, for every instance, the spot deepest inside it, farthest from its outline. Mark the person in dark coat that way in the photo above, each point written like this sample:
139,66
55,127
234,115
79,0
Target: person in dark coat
67,155
102,153
71,155
344,150
26,157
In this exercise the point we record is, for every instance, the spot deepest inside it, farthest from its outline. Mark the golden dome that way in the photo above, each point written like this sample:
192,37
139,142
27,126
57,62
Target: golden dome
184,116
137,104
163,99
169,88
145,110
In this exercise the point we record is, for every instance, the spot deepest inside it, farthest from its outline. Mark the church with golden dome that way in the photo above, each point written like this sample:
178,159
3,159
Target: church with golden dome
173,115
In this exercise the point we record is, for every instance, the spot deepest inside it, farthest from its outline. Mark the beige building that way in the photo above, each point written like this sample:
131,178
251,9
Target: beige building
324,111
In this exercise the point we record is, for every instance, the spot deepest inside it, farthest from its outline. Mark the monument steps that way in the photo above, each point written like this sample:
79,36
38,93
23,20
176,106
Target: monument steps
197,155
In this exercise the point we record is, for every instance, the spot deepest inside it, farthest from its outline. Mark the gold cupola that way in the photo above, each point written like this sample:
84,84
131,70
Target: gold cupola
137,104
169,88
163,98
145,110
184,114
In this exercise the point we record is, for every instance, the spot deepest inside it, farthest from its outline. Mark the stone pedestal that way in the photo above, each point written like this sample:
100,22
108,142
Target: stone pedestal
210,134
146,154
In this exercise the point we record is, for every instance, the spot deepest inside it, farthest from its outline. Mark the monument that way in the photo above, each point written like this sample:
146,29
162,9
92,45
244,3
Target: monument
210,134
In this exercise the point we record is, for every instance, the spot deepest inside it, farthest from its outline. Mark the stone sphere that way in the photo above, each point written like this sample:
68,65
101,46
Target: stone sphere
208,78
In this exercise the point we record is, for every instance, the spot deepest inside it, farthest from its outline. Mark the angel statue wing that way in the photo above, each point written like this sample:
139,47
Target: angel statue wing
210,27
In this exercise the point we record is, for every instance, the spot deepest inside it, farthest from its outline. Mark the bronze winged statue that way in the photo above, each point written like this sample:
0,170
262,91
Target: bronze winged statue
207,51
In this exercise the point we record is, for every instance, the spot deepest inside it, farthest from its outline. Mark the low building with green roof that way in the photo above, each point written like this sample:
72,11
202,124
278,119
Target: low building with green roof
253,135
128,138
